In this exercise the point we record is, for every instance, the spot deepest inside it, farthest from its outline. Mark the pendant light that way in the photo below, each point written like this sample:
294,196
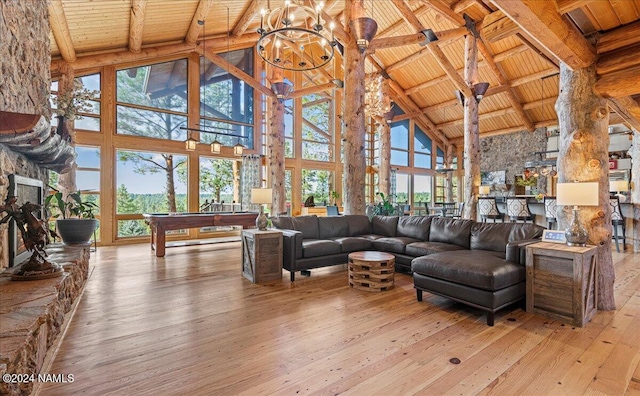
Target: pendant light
216,146
191,143
238,149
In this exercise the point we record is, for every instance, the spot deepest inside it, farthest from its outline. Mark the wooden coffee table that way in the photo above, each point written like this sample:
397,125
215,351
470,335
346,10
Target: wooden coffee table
371,271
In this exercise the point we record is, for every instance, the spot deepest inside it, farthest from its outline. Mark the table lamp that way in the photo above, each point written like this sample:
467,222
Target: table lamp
577,194
484,190
619,186
261,196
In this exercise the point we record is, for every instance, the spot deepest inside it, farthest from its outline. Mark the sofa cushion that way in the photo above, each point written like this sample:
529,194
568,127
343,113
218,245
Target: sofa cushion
371,237
353,244
480,269
416,227
495,236
358,225
283,222
384,225
308,226
333,227
393,245
417,249
319,247
455,231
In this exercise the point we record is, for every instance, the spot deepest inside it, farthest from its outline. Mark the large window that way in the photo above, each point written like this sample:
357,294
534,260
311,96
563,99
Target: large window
148,183
89,118
226,102
422,149
421,189
317,128
216,183
289,146
402,187
152,100
316,183
400,143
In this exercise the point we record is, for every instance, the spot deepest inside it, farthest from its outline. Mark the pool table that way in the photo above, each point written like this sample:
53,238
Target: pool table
160,223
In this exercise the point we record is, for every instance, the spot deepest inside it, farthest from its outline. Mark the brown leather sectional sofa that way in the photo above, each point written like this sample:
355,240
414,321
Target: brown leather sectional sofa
479,264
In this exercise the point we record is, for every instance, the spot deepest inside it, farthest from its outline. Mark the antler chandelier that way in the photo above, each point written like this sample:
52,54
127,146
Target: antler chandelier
296,48
377,102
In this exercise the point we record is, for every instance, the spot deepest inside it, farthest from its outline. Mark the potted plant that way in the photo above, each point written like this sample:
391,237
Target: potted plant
384,207
77,222
334,196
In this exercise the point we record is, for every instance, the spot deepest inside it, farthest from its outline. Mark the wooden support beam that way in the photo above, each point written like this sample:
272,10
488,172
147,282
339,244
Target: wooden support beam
621,37
497,72
623,58
542,21
251,12
395,41
338,30
533,77
499,57
204,6
136,25
235,71
471,131
407,14
505,131
497,26
448,68
311,90
619,84
443,9
60,30
628,109
461,5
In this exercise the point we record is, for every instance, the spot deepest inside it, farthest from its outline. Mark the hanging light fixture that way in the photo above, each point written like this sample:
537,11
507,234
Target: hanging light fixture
364,29
377,102
238,149
216,146
191,143
296,48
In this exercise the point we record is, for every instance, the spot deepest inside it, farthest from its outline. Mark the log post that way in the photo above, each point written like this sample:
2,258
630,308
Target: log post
449,153
276,149
471,131
384,175
583,157
635,190
354,121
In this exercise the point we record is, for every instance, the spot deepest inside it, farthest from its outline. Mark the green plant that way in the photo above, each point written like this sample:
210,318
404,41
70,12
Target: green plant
72,207
334,197
529,182
384,207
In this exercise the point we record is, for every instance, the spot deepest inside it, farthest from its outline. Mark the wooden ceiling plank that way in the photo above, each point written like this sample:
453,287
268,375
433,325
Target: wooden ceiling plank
136,25
510,53
497,26
542,21
621,59
235,71
60,29
497,72
443,9
621,37
204,6
427,84
566,6
533,77
619,84
628,109
448,68
461,5
247,17
407,14
539,50
338,30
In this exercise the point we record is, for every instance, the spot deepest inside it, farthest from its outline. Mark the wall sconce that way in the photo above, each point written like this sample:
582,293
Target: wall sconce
364,29
577,194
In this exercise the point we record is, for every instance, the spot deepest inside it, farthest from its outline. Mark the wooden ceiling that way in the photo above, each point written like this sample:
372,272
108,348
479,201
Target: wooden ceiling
522,44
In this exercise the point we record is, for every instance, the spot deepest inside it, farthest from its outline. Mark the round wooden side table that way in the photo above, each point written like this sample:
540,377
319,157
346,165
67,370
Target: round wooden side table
371,271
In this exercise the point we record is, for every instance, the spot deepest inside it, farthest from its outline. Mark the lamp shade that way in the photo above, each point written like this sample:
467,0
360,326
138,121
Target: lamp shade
484,190
261,195
618,185
577,194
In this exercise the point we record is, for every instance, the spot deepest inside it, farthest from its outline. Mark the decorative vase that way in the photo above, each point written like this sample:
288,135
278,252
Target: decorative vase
261,220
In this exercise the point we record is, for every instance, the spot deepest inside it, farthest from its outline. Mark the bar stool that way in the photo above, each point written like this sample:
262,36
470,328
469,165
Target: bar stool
488,209
518,209
617,219
550,209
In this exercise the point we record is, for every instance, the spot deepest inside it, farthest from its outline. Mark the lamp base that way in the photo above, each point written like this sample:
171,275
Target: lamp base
576,234
261,220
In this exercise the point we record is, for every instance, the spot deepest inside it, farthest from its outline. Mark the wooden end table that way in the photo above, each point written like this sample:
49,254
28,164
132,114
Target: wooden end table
371,271
262,255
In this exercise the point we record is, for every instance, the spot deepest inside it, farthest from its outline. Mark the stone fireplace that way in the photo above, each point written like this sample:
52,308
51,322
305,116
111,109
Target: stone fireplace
28,148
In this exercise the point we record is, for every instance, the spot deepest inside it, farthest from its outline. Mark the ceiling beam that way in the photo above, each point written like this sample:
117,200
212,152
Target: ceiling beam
628,109
338,29
505,131
136,25
533,77
443,9
311,90
497,26
245,20
617,60
60,29
235,71
542,21
204,6
621,37
566,6
619,84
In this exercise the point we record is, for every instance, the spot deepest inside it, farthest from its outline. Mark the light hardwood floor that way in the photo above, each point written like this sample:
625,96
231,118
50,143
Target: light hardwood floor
190,324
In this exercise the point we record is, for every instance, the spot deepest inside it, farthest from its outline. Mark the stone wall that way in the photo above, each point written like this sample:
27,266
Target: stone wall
509,152
25,57
25,83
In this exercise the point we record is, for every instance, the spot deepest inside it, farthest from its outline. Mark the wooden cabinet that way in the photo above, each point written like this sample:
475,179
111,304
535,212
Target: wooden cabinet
562,281
262,255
